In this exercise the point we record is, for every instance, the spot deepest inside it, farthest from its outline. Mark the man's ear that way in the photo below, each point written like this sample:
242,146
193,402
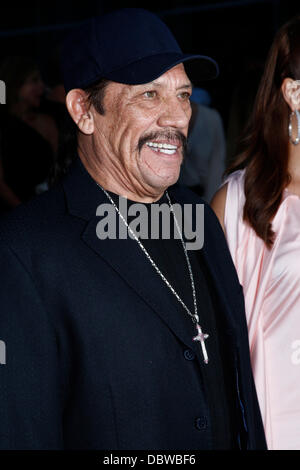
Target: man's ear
77,107
291,93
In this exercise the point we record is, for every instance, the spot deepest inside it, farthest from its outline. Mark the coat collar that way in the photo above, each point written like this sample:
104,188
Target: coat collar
83,196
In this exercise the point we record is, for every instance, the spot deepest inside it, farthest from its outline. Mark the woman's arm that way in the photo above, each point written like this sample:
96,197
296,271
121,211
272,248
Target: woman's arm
218,204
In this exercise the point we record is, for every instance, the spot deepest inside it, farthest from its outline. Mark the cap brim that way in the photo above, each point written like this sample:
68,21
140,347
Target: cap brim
149,68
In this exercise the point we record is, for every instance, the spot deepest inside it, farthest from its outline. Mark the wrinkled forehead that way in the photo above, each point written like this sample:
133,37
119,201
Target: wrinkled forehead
176,75
175,79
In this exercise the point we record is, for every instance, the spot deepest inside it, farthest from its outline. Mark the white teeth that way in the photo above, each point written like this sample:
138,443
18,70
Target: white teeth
167,151
155,145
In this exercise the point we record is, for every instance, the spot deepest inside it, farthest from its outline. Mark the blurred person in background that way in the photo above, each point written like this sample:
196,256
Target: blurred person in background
53,101
29,137
259,209
8,197
204,162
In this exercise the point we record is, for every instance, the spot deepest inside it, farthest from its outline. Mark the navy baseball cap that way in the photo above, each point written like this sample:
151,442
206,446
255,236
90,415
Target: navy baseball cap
130,46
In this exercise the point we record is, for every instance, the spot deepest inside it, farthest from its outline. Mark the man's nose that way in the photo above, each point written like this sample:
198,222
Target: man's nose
174,114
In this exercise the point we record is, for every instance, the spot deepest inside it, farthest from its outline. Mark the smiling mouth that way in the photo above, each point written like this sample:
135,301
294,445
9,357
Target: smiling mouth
164,148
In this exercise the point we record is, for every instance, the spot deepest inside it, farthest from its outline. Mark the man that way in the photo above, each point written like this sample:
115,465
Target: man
104,348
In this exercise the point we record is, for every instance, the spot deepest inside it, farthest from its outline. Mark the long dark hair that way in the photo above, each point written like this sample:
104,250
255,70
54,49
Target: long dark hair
264,149
67,148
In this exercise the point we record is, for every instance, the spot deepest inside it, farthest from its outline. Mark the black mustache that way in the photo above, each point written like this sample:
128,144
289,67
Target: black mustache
166,136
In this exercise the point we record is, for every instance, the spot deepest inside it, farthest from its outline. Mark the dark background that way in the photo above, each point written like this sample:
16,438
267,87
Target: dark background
235,33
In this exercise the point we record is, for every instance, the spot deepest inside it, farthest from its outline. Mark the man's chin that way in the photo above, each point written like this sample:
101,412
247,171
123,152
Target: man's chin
160,171
161,182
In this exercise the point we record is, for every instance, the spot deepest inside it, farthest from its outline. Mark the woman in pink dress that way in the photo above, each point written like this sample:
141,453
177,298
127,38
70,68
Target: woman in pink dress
259,209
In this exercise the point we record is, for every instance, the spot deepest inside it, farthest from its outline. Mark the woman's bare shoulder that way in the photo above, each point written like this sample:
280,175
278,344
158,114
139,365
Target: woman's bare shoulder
218,203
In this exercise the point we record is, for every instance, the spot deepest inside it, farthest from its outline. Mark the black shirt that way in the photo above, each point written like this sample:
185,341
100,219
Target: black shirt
217,376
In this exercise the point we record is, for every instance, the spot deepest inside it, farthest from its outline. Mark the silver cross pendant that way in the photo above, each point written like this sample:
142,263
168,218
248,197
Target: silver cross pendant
202,337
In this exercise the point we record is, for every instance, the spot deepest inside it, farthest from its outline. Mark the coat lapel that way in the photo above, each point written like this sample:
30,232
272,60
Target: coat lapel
130,262
125,256
83,196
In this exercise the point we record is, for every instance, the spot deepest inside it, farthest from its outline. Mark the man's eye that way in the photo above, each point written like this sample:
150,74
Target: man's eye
150,94
184,96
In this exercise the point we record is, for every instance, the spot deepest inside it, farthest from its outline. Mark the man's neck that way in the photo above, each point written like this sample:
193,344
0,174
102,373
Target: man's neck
109,184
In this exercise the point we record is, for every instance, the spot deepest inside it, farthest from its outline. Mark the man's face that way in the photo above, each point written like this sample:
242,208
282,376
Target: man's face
141,136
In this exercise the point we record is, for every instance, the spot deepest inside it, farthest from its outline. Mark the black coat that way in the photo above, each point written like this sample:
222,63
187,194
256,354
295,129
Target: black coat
98,350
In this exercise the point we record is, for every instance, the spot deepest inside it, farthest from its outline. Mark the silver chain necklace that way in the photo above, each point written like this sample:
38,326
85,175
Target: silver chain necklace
201,337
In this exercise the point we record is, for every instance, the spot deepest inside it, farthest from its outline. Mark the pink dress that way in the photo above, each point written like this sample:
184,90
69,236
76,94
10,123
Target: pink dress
271,283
